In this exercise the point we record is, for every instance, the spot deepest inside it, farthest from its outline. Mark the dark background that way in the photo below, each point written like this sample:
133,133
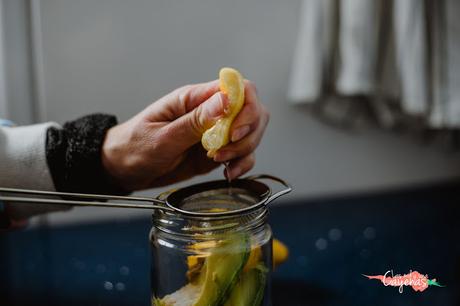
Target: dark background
109,263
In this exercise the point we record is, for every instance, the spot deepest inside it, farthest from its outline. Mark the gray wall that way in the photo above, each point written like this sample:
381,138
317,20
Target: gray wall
18,62
116,56
3,104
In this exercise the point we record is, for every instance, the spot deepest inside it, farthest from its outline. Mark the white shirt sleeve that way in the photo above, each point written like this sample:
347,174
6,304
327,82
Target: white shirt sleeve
23,165
23,157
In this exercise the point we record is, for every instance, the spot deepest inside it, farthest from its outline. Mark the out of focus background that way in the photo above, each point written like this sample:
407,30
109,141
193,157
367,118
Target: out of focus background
61,59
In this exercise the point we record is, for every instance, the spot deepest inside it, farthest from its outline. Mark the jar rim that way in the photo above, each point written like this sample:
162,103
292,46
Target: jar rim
258,191
207,227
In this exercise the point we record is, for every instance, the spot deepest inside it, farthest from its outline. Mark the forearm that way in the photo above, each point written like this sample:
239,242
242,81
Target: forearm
50,157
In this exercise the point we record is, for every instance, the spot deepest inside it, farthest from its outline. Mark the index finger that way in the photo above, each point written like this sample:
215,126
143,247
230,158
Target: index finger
181,101
251,111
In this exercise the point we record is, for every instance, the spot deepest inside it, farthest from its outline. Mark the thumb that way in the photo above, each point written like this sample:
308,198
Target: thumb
188,129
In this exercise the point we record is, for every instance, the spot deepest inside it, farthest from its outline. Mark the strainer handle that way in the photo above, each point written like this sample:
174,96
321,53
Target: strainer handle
272,178
162,196
79,199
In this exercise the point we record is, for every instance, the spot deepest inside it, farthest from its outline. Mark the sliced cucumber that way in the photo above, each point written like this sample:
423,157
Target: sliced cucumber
219,274
249,291
222,269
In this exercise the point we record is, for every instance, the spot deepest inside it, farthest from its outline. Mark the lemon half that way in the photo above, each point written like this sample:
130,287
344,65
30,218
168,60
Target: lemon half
231,83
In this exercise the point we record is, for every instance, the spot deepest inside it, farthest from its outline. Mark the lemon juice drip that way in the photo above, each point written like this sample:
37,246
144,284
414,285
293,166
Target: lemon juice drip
229,180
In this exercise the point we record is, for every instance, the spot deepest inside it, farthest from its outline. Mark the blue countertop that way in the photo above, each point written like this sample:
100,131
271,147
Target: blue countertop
332,243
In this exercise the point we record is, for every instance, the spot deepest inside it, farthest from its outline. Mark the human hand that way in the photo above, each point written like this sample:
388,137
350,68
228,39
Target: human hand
161,145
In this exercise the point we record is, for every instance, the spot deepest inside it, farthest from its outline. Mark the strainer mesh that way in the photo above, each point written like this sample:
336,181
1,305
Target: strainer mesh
219,200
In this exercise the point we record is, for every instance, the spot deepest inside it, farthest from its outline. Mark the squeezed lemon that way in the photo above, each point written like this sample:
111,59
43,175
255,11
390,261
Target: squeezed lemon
231,83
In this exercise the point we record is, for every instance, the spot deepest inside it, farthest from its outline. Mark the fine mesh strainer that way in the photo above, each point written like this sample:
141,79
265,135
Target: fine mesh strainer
214,198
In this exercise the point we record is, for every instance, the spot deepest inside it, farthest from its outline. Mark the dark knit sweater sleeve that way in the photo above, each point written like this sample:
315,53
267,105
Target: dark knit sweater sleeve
73,154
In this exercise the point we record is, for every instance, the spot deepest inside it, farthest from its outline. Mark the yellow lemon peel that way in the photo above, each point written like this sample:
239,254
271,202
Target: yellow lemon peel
231,83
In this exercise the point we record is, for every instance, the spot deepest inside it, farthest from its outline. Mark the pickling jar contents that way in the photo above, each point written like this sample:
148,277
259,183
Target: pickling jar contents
198,261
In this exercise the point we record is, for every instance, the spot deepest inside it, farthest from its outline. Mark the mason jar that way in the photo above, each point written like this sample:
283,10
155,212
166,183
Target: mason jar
216,248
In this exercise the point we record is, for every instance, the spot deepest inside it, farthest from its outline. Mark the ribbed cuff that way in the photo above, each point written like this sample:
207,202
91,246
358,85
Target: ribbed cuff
74,152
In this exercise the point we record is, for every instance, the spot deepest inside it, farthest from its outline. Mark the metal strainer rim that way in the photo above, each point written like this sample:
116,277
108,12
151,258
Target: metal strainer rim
265,197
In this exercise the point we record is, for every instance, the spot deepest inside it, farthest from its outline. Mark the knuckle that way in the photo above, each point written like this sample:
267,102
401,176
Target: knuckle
182,90
252,159
250,162
195,120
186,88
184,96
250,147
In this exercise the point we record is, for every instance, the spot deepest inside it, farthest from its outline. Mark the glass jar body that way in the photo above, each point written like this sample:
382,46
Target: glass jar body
208,261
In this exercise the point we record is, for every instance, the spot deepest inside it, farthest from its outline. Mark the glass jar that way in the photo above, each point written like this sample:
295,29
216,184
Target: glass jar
219,252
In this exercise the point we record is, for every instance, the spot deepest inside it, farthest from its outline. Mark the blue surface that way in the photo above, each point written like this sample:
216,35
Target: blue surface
332,243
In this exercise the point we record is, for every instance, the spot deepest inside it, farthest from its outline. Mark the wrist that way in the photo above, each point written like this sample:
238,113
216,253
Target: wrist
112,157
107,153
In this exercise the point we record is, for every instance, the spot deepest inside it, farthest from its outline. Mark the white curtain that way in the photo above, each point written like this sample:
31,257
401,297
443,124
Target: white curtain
405,51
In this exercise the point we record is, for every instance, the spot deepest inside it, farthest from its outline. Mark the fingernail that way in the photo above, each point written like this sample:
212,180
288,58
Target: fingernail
240,132
215,106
